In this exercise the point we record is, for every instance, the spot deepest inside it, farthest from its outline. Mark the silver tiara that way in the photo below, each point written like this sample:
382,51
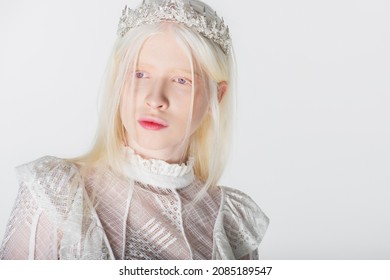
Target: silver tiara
177,11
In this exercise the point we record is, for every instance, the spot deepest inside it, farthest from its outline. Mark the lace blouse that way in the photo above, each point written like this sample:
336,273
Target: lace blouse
148,214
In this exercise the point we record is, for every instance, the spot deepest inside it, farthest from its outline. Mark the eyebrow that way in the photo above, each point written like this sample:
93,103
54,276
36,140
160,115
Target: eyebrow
173,70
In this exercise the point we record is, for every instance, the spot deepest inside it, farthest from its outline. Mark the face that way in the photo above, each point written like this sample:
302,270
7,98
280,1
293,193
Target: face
156,115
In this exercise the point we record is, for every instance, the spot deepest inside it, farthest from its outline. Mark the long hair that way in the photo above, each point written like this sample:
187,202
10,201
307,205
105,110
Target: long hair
210,143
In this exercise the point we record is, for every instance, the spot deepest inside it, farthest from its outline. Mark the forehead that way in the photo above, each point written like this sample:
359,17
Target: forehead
162,50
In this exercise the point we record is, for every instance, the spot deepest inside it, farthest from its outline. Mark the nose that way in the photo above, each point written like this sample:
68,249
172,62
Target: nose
157,99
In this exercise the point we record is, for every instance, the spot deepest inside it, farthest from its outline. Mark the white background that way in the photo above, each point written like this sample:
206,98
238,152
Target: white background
313,122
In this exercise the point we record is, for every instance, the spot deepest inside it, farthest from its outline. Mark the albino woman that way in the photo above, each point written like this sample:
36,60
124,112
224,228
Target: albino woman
148,187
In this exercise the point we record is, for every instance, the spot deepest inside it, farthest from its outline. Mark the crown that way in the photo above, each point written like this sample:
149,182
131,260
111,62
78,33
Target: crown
176,11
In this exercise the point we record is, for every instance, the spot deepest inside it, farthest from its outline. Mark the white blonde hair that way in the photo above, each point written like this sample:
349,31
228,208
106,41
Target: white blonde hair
210,143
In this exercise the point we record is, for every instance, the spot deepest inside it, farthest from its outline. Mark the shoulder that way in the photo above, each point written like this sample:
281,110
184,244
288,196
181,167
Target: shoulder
47,171
51,181
46,165
241,208
242,222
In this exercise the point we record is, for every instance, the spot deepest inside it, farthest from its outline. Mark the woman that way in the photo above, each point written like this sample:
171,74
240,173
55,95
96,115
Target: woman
148,188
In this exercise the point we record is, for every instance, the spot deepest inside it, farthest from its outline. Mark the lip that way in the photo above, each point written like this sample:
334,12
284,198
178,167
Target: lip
152,123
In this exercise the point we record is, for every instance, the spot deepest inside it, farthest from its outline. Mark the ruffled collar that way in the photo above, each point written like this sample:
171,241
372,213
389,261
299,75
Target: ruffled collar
158,172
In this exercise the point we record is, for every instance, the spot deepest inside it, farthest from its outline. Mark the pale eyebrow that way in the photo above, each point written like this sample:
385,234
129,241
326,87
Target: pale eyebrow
171,71
142,66
186,72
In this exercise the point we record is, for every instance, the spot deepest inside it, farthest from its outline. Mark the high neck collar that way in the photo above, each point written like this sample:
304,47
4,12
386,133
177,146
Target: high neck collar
158,172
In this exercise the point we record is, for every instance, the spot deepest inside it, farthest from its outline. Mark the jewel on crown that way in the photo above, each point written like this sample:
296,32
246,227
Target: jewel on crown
176,11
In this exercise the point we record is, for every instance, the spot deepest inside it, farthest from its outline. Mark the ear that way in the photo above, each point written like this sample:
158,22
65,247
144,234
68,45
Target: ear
222,89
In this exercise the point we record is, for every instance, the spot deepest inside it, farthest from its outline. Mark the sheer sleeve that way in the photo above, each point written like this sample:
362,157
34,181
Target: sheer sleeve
240,227
51,218
29,231
33,230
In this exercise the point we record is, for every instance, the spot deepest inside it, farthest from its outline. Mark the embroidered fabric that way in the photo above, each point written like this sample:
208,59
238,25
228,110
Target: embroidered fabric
159,167
146,214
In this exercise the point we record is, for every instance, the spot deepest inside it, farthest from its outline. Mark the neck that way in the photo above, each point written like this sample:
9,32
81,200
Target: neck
176,154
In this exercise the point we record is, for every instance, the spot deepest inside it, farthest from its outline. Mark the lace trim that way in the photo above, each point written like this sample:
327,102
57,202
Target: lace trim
158,172
159,167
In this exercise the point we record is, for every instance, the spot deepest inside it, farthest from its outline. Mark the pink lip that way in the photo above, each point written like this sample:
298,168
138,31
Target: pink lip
152,123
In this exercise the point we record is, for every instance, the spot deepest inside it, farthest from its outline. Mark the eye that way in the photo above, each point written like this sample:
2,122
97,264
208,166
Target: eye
182,81
140,74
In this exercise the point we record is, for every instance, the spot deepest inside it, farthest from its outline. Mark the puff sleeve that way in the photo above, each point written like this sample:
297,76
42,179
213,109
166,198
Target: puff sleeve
33,229
240,226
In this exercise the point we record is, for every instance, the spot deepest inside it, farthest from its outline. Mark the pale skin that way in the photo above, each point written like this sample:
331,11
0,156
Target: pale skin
163,93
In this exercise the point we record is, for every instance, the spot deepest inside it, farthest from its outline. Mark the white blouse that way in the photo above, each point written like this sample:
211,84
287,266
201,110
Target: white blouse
157,211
